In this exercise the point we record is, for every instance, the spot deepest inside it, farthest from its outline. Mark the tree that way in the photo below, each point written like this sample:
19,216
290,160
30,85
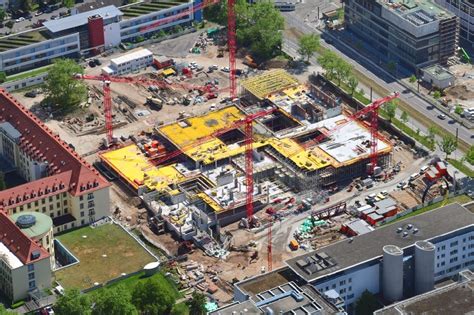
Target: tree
392,66
3,185
432,131
178,29
61,88
73,303
352,83
3,311
328,61
152,297
114,301
390,109
343,70
258,25
3,76
436,94
458,109
308,45
448,144
197,304
412,78
10,24
340,14
69,3
2,15
470,155
404,117
26,5
366,304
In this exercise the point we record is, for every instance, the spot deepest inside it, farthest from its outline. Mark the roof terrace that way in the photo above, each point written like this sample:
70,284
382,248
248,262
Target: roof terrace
144,8
14,41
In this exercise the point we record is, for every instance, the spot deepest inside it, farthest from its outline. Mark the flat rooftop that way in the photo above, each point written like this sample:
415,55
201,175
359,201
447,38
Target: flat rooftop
438,72
417,12
19,40
346,253
350,143
144,8
76,20
273,81
134,167
456,298
140,53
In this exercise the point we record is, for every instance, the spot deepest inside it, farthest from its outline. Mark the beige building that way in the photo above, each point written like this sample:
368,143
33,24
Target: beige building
59,183
25,266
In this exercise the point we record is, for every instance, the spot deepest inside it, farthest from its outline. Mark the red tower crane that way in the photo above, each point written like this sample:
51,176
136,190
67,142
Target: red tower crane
107,80
373,127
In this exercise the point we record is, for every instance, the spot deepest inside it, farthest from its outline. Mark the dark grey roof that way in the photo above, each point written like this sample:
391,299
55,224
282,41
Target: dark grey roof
361,248
10,130
81,18
385,203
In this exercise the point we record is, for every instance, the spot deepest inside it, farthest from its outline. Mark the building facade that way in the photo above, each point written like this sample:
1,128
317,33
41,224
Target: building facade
91,32
464,9
410,34
24,265
397,261
129,63
58,182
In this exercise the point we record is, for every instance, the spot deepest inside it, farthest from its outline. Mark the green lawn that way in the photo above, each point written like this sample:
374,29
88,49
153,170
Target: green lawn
460,166
460,199
124,255
28,74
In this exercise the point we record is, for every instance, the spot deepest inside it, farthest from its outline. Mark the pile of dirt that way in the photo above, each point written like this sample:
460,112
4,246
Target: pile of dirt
461,92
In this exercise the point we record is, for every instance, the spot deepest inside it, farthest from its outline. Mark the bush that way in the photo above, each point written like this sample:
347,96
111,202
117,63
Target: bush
458,109
17,304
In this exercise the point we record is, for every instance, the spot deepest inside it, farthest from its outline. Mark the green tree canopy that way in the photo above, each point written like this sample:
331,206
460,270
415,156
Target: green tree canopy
436,94
404,117
26,5
62,89
73,303
114,301
197,304
3,185
2,15
335,67
352,82
3,311
308,45
366,304
258,25
3,76
448,144
390,109
412,78
152,297
470,155
68,3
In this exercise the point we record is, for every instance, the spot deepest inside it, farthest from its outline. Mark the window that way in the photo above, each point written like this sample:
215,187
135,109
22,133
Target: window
58,205
50,198
334,286
341,283
453,244
51,207
90,204
66,210
453,260
453,252
32,284
64,194
57,197
31,267
43,201
82,213
65,202
90,196
350,280
36,203
350,288
81,198
83,222
44,209
81,206
31,276
59,213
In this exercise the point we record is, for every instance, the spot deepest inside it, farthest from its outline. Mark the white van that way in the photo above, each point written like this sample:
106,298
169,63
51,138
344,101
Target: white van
414,176
424,168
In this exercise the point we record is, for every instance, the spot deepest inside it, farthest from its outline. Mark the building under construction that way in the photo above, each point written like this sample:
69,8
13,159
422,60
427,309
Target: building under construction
191,172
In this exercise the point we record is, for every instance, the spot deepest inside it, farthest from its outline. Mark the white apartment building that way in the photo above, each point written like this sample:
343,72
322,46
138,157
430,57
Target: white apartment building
59,183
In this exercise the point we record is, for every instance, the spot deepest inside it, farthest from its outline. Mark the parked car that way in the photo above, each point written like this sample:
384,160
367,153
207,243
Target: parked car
32,93
92,64
38,13
20,19
54,17
225,69
442,116
97,62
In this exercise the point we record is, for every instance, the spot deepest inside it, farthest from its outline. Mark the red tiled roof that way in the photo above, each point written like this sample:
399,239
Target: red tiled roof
39,142
18,243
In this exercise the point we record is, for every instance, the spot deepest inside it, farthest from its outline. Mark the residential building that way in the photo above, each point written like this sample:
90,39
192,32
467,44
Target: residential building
464,9
130,62
397,261
412,34
57,181
24,265
91,32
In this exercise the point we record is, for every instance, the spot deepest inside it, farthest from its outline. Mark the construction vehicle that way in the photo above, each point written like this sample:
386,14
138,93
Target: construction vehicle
154,103
294,245
248,61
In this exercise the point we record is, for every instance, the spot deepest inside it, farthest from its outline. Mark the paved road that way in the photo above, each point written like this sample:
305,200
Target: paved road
373,72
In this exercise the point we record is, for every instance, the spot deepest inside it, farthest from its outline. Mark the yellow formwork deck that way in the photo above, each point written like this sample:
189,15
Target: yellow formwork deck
190,130
210,202
273,81
304,159
135,168
293,93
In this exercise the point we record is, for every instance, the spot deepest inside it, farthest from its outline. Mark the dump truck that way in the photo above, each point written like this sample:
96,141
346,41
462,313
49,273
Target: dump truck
294,245
154,103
